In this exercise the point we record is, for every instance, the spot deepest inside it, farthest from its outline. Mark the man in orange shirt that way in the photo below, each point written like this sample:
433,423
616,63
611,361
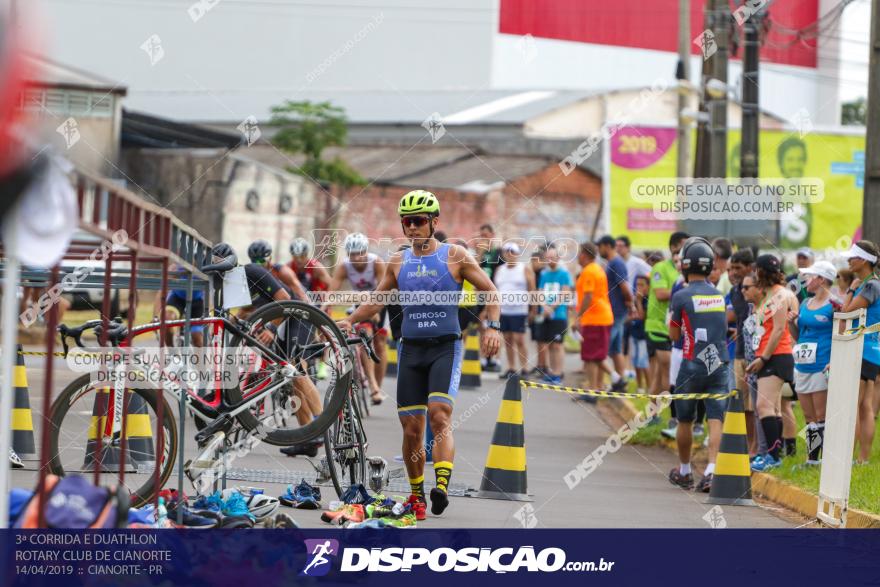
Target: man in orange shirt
594,315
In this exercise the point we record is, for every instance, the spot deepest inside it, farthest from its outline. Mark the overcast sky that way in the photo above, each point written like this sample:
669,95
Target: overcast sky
855,34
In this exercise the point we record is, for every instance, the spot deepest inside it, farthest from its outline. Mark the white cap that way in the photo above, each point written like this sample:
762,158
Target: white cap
511,248
860,253
822,269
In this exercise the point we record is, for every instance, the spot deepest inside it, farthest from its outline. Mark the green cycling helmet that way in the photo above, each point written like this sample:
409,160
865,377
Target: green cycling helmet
418,202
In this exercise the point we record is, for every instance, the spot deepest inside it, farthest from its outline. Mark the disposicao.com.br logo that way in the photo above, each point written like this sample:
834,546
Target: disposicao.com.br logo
441,560
319,552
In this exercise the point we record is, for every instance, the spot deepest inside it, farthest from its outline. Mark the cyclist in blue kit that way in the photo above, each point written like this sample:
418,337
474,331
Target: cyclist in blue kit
431,350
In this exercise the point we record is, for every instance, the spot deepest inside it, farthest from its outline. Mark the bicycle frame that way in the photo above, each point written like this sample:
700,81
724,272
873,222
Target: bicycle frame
202,408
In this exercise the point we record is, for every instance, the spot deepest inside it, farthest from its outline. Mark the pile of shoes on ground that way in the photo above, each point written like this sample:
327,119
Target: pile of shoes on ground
239,507
356,508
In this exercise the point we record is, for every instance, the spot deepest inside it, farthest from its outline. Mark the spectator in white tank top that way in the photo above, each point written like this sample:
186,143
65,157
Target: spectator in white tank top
514,279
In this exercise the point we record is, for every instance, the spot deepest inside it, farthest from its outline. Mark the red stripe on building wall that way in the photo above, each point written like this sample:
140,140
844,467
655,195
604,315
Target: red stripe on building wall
648,24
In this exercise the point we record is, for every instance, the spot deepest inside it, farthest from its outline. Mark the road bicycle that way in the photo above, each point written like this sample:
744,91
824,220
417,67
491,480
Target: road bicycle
265,402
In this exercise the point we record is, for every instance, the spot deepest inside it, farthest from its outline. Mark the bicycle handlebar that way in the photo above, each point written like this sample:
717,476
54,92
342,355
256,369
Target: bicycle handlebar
367,341
116,332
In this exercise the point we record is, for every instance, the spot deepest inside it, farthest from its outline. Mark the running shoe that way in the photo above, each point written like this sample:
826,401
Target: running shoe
306,449
15,460
766,463
620,385
439,501
353,512
191,519
386,511
404,521
705,484
699,430
303,497
283,520
356,493
419,507
679,480
552,379
380,500
492,367
236,505
669,432
209,503
372,524
350,512
507,374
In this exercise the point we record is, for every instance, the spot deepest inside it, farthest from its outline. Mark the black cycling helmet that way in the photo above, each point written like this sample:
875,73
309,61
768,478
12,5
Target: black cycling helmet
222,250
697,256
259,250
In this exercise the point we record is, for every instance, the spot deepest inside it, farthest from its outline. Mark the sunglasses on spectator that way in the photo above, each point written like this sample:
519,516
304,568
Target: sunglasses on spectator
745,287
416,221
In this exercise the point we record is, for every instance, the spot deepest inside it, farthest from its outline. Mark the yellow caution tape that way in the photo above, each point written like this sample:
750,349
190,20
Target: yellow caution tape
602,393
40,353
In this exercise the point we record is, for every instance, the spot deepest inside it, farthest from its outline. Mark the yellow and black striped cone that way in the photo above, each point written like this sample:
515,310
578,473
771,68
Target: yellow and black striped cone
391,370
732,480
22,418
110,455
139,431
470,366
505,474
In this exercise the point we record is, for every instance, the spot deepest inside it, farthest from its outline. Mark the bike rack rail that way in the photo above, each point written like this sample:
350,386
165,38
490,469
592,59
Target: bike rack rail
144,233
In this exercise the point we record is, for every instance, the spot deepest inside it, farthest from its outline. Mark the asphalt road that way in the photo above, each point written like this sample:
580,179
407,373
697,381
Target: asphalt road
628,490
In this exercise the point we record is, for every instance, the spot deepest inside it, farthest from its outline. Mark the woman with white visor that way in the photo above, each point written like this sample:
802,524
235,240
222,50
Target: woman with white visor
865,293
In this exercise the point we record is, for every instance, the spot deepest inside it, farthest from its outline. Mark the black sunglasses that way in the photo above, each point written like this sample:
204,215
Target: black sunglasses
416,221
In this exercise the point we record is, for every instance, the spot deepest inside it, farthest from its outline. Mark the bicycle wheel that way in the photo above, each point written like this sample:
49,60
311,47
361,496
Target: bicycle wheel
345,444
299,409
74,437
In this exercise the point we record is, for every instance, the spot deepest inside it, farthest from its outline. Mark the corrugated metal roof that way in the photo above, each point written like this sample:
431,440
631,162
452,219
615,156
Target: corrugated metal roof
477,173
52,73
433,167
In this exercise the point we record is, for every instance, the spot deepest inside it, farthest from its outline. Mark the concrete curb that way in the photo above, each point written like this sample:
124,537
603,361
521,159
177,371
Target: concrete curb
768,486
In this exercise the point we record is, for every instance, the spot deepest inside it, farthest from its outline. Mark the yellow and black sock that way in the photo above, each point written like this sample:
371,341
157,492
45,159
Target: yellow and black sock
443,470
439,494
417,486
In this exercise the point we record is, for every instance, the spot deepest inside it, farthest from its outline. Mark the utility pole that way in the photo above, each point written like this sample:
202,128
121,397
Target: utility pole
751,111
684,73
721,19
871,201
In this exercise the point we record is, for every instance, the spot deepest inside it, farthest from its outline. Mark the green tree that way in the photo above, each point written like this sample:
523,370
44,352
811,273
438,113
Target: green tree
309,128
855,112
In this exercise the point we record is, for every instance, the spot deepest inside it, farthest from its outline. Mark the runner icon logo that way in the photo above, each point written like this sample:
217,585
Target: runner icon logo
320,552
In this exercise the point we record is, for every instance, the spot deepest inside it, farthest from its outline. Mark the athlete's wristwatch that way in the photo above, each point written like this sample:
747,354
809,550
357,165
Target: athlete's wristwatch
493,324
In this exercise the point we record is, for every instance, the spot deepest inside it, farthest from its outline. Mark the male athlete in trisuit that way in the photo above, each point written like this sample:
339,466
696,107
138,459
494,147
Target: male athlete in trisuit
430,353
364,270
